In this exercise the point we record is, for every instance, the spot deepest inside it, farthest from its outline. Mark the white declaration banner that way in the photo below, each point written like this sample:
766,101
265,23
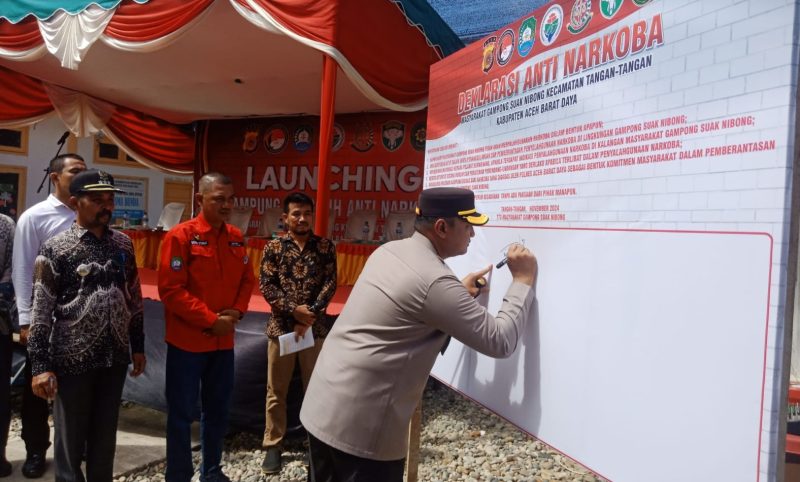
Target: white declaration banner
643,149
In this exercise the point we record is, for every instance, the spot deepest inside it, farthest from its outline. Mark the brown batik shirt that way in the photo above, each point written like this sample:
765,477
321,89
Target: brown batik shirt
291,277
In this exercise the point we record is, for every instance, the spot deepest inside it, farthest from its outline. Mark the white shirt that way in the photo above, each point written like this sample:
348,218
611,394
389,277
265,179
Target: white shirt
35,226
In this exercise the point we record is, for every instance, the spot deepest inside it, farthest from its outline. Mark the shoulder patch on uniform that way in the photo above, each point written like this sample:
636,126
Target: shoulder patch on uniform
176,263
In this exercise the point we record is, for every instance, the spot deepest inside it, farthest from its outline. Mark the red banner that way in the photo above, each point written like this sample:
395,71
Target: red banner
376,162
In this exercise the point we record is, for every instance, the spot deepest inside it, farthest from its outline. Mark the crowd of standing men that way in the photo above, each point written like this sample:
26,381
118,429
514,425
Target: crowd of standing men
79,304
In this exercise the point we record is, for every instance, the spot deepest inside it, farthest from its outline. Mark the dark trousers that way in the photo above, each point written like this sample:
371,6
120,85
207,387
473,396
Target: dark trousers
86,411
35,412
5,391
332,465
210,374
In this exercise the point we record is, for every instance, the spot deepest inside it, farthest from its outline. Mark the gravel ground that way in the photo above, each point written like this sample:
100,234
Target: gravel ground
460,441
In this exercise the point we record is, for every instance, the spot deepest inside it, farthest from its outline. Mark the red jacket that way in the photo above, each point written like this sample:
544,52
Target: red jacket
202,272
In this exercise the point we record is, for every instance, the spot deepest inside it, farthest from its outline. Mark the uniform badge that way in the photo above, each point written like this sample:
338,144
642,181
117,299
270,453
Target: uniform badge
176,263
246,259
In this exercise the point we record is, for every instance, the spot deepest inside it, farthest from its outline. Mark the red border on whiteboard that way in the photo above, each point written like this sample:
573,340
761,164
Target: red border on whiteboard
672,231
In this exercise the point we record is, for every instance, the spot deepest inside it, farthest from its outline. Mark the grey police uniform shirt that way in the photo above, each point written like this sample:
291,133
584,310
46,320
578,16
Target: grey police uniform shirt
374,364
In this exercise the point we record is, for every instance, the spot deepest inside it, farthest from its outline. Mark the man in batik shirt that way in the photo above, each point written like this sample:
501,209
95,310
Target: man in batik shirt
298,280
86,326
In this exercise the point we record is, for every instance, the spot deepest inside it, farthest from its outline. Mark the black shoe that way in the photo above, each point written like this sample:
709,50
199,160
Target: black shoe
215,477
34,466
272,461
5,468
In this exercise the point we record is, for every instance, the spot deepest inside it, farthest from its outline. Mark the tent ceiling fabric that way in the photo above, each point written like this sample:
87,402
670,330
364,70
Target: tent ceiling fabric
225,66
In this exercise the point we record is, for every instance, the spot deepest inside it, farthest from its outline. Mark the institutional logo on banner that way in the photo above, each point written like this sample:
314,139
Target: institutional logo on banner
338,137
363,137
580,16
488,53
392,135
276,138
551,25
609,8
302,138
527,36
417,139
505,47
250,141
641,3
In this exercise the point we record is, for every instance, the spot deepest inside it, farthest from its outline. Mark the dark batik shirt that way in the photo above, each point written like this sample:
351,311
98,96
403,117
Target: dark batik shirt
87,303
290,278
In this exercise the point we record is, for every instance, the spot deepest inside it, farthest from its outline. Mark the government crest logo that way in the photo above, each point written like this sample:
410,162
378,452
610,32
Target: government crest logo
250,141
363,137
302,138
417,139
640,3
392,135
551,25
527,36
580,16
338,137
609,8
506,47
488,54
276,138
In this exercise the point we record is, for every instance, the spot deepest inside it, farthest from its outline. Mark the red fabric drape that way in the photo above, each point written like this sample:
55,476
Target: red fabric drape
133,22
161,142
20,36
394,60
21,96
136,22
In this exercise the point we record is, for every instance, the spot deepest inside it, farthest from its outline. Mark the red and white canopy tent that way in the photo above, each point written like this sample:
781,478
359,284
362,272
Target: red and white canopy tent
139,71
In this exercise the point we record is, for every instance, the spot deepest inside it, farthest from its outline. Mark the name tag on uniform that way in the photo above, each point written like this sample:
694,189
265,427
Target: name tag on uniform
198,242
236,244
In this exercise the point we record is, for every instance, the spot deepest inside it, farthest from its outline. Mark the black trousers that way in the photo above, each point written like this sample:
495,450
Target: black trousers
332,465
86,411
35,412
5,391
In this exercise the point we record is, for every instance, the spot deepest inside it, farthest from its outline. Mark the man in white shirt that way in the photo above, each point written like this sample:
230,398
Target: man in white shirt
36,225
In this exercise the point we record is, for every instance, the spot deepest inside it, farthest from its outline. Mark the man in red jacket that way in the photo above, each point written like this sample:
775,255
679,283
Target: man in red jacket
205,281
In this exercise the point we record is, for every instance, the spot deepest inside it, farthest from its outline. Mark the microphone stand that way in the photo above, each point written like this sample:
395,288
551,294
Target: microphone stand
47,169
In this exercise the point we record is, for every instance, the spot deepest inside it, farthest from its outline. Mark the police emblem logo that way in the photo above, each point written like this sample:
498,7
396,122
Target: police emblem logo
275,139
417,139
505,47
580,16
103,177
551,25
526,36
488,54
176,263
250,141
302,138
363,137
609,8
392,135
338,137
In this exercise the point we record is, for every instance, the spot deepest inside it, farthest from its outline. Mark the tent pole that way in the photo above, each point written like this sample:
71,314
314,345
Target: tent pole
327,99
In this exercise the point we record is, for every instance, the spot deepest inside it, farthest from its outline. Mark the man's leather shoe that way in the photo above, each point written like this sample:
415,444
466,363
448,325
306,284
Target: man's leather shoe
5,468
34,466
272,461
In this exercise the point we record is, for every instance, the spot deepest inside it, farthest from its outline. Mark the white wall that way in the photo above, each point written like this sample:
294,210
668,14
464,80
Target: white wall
42,146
